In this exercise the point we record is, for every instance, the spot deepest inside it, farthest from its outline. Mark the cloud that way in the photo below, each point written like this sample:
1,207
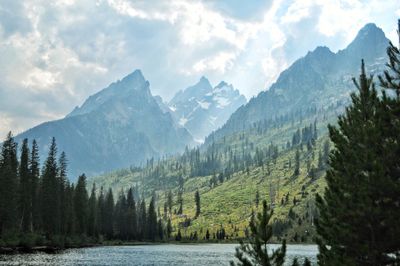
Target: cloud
55,54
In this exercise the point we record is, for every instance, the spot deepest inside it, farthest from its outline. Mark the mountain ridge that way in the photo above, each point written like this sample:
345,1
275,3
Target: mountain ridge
318,79
119,126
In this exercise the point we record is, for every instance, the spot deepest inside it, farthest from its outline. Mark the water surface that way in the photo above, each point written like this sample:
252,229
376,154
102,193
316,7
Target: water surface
169,254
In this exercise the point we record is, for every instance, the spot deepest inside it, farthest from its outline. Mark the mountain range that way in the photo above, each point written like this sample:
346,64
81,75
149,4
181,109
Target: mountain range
124,124
318,80
119,126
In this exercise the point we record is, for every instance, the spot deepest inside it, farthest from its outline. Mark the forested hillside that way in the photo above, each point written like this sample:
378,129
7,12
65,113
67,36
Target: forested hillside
275,148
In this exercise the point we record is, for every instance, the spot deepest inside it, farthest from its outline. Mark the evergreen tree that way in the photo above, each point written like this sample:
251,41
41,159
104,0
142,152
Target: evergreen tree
180,202
170,201
108,215
69,209
256,251
8,185
151,221
358,223
121,210
62,180
25,201
34,172
101,219
197,201
178,236
81,205
169,229
257,200
297,163
49,193
92,213
131,215
142,221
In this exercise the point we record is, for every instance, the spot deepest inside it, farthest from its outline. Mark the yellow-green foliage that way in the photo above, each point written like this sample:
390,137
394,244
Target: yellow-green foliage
231,203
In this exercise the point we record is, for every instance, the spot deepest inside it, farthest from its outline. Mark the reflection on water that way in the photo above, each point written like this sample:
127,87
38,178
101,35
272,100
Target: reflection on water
207,254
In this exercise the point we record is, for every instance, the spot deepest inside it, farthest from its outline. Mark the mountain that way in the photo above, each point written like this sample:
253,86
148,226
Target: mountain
276,146
317,80
119,126
202,108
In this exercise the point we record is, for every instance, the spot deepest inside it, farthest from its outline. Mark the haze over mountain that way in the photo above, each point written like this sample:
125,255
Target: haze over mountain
202,108
119,126
319,79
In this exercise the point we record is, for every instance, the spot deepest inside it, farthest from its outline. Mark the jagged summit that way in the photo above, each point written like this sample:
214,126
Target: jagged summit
202,87
119,126
368,44
130,84
319,79
135,77
201,108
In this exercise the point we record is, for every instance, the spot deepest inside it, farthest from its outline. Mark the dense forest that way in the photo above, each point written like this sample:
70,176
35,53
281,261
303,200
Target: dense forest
41,207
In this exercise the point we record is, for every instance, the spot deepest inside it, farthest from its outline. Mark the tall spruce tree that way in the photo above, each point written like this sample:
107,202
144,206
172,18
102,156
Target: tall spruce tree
131,215
108,215
142,221
8,185
81,205
49,193
62,181
100,212
256,251
151,220
25,200
92,213
197,201
121,216
357,223
34,171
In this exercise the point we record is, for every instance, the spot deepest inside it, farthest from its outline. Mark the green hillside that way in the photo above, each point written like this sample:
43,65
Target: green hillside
229,172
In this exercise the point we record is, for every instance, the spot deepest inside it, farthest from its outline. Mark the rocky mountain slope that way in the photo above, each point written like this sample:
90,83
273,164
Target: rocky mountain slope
119,126
317,80
202,108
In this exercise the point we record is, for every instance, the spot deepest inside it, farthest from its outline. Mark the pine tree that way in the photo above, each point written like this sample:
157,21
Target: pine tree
178,236
142,220
92,213
197,201
49,193
170,201
69,209
81,205
62,180
169,229
256,251
131,215
108,215
180,202
257,200
358,223
8,185
25,201
121,216
34,171
297,163
101,219
151,221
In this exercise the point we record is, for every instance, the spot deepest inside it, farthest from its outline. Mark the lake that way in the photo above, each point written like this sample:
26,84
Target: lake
168,254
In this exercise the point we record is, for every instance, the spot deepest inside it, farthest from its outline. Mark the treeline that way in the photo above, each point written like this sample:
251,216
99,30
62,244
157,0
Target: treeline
41,207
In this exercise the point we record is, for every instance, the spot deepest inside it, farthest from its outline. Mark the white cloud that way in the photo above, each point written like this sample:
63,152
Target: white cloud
56,54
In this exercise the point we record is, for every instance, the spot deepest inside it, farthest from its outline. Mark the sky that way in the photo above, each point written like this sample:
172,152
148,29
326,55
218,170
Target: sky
54,54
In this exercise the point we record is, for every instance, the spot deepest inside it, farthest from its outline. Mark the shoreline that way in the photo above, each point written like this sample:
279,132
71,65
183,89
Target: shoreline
53,249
